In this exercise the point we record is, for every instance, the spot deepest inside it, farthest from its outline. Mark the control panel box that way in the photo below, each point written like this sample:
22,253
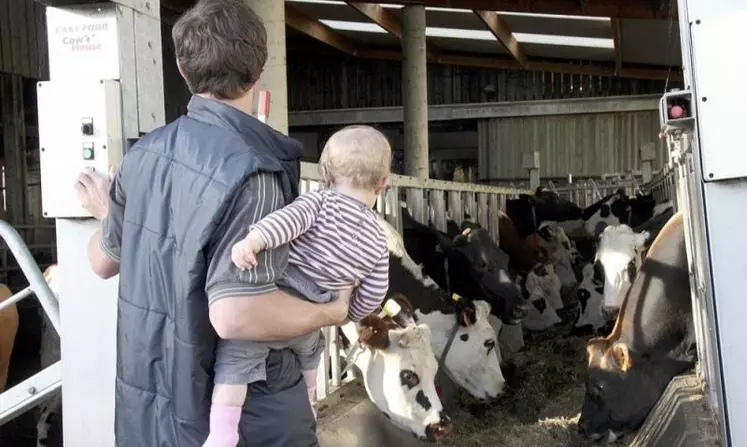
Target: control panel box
80,125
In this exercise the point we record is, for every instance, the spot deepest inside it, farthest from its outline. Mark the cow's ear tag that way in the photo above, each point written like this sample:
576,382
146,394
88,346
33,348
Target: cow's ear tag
392,308
456,297
466,231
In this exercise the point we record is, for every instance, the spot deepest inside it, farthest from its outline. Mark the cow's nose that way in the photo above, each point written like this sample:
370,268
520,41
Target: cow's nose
437,431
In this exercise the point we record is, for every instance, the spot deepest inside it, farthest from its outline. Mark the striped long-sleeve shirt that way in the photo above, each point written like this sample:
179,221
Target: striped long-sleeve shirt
335,240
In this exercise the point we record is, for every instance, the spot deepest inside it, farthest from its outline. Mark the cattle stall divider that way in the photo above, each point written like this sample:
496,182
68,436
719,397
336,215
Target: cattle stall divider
428,201
39,387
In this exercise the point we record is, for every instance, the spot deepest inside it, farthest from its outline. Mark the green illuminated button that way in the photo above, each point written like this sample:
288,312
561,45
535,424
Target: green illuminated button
88,151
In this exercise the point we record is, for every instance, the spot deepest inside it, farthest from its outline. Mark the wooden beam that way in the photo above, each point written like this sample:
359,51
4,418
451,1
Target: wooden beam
499,28
623,9
336,40
391,23
319,31
380,16
551,67
616,25
451,112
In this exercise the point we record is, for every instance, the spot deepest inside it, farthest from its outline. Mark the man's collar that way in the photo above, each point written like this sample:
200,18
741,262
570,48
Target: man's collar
220,114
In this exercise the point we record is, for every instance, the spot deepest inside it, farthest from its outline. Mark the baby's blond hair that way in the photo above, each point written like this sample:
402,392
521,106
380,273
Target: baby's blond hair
359,155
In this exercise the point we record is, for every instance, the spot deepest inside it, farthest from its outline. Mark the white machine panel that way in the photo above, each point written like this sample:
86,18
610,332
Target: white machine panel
80,126
83,42
720,100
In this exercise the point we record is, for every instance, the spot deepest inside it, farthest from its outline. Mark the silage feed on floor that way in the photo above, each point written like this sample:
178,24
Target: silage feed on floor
542,402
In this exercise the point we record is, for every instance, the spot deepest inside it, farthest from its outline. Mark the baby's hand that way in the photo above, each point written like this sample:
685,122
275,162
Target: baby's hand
244,253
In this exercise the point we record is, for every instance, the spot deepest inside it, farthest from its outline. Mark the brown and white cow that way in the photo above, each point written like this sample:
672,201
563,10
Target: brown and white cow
652,341
8,331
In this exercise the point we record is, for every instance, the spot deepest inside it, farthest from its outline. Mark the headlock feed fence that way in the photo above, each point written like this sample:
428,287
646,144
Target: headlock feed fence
428,201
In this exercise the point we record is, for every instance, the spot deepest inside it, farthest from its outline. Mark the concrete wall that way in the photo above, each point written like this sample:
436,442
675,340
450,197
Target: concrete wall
582,145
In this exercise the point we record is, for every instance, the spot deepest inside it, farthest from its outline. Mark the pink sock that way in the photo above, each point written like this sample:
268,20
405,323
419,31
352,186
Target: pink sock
224,426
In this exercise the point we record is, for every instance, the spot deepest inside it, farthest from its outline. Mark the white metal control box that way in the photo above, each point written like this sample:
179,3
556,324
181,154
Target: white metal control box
80,125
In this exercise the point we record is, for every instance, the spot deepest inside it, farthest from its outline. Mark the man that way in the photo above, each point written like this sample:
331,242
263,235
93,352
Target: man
182,196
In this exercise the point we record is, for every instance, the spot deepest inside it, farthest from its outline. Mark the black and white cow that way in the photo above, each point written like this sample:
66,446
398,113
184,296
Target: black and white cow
619,255
618,208
528,212
399,370
473,360
471,265
590,294
653,340
541,287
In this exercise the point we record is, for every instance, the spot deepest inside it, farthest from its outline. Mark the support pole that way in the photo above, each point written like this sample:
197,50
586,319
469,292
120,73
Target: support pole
415,91
274,76
415,102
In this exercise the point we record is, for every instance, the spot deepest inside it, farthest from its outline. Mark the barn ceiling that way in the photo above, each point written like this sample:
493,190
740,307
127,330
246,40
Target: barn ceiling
627,38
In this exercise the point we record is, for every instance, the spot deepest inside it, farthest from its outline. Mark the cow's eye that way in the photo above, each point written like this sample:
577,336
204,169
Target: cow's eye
409,378
490,344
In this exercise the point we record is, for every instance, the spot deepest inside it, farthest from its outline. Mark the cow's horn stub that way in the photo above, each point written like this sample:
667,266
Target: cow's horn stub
392,308
456,297
466,231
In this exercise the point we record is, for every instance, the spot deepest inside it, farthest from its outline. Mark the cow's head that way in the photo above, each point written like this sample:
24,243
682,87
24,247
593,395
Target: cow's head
399,369
613,209
619,255
559,249
473,360
621,389
541,287
479,270
590,294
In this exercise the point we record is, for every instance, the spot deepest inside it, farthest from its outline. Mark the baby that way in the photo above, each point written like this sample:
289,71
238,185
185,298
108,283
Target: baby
335,242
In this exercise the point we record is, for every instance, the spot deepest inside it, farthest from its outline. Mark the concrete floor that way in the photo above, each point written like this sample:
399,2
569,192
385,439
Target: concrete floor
348,418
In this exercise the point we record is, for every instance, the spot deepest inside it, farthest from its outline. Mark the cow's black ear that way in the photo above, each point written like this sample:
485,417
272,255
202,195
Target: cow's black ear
404,303
374,332
465,312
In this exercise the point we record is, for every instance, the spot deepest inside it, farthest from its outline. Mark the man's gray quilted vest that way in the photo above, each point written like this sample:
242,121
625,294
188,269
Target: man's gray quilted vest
178,182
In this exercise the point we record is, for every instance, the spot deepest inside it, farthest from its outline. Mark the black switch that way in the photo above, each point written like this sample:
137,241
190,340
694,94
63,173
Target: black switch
87,126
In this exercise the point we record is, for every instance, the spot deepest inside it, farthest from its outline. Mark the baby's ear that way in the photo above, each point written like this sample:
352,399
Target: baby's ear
382,184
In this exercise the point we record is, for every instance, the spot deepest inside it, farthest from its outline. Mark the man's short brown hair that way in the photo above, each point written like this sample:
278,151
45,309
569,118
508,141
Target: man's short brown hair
221,46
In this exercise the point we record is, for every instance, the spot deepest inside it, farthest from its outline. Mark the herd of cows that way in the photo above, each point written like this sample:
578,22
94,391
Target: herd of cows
618,268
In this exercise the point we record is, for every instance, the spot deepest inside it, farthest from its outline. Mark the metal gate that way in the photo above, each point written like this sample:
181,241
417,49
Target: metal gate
40,386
